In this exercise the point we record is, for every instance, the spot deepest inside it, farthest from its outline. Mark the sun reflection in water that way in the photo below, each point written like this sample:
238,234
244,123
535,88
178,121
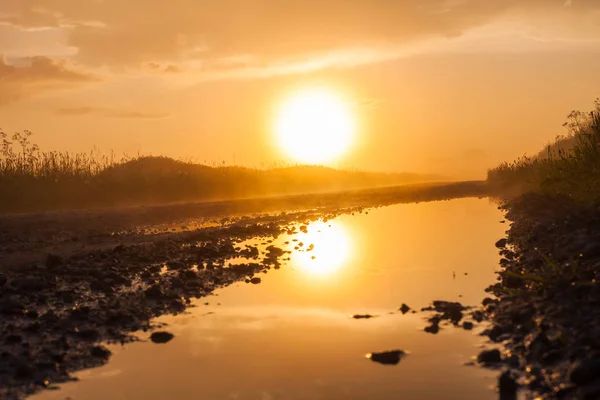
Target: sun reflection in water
325,248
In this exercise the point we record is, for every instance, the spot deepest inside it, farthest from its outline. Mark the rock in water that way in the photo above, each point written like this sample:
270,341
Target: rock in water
161,337
507,386
583,372
501,243
489,356
404,309
387,357
100,352
363,316
433,328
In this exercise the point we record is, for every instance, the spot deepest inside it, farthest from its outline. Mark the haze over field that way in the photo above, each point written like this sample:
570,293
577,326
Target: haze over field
434,86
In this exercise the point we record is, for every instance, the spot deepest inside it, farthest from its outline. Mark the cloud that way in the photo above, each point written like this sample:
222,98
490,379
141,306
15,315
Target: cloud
109,113
29,76
225,34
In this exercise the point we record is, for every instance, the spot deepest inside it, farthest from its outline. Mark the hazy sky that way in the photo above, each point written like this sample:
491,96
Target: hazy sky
450,86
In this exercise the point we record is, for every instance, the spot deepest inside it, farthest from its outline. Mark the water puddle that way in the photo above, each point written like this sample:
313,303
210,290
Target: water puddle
293,336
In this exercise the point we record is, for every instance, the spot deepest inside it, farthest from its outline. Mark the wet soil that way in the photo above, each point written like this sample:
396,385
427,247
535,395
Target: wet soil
71,282
26,237
547,312
56,312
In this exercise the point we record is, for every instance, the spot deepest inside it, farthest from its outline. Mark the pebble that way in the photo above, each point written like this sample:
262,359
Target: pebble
404,309
501,243
100,352
363,316
489,356
161,337
584,371
507,386
387,357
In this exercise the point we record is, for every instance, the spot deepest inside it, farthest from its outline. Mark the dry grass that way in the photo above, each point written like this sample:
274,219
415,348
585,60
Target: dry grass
33,180
570,166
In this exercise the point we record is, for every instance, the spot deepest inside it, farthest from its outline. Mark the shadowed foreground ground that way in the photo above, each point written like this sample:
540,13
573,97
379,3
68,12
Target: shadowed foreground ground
71,281
24,235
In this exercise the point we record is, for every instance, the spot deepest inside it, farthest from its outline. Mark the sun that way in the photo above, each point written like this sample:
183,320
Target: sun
315,126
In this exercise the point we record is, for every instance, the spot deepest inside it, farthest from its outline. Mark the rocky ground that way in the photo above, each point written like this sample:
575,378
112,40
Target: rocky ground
546,314
70,281
56,312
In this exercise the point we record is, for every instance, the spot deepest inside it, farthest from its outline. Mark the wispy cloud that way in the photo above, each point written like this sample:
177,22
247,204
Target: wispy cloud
30,76
108,112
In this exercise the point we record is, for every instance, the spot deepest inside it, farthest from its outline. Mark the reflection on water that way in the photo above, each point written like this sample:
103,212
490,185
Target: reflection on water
291,336
326,247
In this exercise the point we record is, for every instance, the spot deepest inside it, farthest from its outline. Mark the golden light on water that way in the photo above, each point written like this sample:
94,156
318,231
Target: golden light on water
325,249
315,126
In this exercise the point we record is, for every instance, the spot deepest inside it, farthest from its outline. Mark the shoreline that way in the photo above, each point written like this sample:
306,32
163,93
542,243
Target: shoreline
27,237
547,311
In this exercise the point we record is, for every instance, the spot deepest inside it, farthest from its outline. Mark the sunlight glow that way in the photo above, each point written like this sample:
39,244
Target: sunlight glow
325,249
315,126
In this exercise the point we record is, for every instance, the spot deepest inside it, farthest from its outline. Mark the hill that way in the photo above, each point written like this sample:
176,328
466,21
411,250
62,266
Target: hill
32,180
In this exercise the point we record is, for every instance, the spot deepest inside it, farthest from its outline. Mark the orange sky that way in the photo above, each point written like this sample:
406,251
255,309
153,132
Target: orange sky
444,86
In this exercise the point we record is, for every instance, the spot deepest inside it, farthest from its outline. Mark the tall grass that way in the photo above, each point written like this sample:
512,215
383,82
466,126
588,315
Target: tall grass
31,179
570,166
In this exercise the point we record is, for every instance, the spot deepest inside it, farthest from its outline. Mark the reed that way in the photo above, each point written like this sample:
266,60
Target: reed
570,166
36,180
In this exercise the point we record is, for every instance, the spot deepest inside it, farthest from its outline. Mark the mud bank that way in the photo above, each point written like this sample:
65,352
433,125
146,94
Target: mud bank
56,313
547,311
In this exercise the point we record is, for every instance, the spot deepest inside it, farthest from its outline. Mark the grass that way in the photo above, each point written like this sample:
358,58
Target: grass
570,166
36,180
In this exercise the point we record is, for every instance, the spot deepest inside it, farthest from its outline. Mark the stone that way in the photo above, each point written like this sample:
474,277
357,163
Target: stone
363,316
387,357
100,352
585,371
161,337
175,265
433,328
404,309
501,243
154,292
489,356
507,386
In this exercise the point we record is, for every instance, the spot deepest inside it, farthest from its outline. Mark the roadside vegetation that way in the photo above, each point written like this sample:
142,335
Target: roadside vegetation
546,307
570,166
35,180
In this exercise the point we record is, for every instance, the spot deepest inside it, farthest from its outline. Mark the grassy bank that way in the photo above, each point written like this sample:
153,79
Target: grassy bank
570,166
33,180
546,309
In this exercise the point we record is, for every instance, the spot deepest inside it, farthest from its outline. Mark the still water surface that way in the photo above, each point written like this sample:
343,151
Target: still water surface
291,337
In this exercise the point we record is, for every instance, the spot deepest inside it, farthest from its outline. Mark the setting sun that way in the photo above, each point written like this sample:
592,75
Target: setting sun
315,127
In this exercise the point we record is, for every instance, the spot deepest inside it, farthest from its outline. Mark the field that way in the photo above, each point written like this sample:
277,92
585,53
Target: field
35,180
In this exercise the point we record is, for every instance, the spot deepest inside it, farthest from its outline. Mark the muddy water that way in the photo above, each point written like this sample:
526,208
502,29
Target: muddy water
291,336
